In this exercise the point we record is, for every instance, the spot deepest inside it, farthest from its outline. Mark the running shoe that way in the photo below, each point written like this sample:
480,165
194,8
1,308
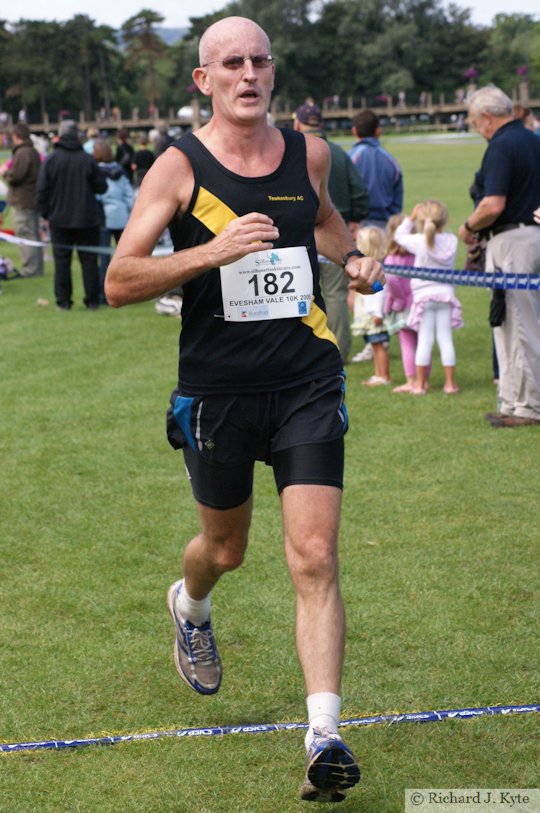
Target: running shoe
331,769
195,654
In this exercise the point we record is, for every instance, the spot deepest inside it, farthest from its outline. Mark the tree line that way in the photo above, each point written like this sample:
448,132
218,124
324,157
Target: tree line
348,48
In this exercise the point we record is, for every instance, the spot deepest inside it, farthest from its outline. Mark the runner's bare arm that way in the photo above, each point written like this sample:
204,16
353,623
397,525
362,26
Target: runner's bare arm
135,276
332,236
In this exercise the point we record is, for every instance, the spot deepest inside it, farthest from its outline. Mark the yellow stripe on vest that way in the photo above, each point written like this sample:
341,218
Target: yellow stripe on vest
212,212
215,215
316,320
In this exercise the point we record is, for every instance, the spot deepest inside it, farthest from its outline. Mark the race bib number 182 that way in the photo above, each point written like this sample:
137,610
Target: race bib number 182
276,284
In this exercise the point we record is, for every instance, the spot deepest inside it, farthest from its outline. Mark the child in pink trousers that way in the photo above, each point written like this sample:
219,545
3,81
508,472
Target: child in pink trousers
397,303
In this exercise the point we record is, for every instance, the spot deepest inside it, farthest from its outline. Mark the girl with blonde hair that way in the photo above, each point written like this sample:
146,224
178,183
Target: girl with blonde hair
435,310
398,301
368,310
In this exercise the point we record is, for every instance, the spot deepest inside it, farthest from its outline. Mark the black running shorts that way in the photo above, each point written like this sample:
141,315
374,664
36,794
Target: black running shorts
298,431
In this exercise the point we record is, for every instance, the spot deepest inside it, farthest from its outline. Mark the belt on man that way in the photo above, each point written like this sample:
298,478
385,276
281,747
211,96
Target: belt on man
509,227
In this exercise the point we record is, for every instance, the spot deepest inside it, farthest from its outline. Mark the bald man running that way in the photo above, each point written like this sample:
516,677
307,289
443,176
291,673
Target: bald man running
260,374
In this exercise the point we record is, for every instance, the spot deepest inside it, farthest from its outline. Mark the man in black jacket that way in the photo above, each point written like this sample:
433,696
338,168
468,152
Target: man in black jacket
67,185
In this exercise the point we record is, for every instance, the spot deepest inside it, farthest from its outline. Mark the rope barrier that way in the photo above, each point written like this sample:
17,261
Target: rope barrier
265,728
476,279
21,241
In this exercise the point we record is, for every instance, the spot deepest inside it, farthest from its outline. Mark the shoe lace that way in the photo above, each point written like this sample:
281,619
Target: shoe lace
201,643
324,733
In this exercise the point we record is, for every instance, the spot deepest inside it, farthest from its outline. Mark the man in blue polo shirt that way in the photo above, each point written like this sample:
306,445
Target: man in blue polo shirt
509,181
380,171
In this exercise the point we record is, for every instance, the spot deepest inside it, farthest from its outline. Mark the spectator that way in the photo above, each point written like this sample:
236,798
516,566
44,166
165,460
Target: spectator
91,135
435,309
162,139
380,170
527,118
509,180
397,304
142,160
124,153
67,185
520,112
369,310
350,198
117,204
21,175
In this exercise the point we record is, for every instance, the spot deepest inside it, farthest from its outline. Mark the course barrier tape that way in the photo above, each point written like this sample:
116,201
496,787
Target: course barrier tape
21,241
477,279
265,728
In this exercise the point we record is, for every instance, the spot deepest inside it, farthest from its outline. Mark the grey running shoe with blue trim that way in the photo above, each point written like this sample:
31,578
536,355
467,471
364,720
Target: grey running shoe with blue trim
195,654
331,769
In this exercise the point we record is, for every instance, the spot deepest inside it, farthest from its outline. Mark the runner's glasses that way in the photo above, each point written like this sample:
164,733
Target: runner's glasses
235,62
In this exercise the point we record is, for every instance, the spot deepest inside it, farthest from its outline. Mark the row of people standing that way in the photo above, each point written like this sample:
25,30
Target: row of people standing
503,225
505,197
134,162
84,193
358,195
420,311
366,187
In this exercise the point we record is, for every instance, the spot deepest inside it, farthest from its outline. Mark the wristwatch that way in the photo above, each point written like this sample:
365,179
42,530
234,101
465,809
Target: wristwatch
469,228
354,253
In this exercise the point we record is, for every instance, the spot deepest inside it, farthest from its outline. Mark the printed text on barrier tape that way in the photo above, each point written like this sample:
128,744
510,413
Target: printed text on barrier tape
264,728
477,279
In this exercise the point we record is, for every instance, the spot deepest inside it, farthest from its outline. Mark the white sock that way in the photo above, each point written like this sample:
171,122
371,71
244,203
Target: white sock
198,612
323,712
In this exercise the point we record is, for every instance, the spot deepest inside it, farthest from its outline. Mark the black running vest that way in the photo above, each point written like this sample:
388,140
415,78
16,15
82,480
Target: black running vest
219,356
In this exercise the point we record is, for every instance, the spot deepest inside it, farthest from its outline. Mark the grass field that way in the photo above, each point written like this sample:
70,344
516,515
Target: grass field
439,550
